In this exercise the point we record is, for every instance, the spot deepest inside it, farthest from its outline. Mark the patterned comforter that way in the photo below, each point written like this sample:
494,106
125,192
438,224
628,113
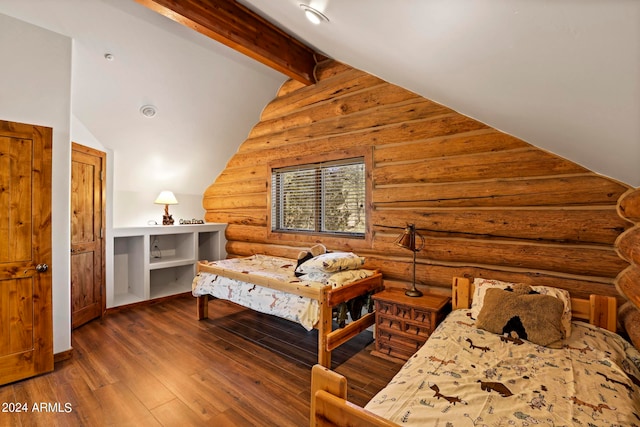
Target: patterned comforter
268,269
464,376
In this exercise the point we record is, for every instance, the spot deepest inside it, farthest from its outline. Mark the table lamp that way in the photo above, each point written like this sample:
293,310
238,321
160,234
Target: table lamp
166,198
407,240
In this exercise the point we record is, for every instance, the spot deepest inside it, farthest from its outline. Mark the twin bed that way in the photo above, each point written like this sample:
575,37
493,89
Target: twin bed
466,375
308,293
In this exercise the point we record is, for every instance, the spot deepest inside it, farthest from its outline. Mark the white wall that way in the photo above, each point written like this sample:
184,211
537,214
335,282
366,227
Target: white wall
35,88
81,135
136,208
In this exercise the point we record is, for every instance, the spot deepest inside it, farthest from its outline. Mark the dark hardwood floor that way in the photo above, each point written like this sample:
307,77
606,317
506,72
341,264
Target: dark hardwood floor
156,365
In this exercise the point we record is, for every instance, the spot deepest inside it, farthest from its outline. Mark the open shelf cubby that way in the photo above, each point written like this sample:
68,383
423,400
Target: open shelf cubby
159,261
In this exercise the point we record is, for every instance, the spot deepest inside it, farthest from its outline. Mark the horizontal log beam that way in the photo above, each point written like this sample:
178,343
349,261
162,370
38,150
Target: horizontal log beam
287,248
569,259
471,142
578,189
273,249
257,217
249,172
523,162
577,225
439,276
289,86
236,26
243,201
328,68
242,186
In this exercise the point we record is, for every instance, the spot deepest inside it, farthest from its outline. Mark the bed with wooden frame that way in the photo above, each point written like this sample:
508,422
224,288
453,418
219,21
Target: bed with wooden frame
330,407
328,297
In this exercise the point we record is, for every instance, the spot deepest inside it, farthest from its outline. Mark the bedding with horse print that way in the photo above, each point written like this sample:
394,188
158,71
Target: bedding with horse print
465,376
250,280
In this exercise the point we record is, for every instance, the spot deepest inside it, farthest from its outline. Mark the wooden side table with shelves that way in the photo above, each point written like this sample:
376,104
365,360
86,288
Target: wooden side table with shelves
404,323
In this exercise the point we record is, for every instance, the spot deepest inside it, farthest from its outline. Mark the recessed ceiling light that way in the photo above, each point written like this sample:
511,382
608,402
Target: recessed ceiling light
313,15
148,111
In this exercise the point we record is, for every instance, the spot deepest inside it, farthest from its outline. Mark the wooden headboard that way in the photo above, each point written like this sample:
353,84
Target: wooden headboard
598,310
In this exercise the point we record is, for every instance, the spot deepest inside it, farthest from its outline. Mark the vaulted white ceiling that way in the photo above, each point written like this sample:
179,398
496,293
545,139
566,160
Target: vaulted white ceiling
562,75
208,96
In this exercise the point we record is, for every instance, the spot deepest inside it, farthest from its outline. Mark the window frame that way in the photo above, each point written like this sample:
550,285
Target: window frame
314,236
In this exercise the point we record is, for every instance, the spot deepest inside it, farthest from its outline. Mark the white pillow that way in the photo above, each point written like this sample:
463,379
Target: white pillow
344,277
316,276
331,262
338,279
481,286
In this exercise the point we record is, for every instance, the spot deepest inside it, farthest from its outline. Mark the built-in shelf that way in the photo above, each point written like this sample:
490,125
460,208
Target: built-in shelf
159,261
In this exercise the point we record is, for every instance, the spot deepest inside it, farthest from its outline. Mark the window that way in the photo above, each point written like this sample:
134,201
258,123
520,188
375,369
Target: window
326,197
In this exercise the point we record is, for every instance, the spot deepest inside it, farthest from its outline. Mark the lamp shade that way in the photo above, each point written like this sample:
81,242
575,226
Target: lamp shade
407,239
166,198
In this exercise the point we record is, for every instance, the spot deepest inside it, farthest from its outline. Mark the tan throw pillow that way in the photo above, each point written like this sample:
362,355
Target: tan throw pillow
481,286
535,318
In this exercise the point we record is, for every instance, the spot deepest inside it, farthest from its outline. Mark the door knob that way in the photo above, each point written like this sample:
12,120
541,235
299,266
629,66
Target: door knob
40,268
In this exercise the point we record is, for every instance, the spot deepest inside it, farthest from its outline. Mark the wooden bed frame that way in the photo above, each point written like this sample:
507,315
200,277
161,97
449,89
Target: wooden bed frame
329,404
327,297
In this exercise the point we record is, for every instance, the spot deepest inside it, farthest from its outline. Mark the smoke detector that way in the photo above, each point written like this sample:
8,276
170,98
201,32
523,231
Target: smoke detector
313,15
148,111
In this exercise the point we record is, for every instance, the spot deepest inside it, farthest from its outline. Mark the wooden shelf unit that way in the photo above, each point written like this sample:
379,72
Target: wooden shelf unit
404,323
159,261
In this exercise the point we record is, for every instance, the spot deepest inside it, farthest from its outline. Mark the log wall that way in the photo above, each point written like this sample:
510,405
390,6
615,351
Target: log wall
488,204
628,281
628,247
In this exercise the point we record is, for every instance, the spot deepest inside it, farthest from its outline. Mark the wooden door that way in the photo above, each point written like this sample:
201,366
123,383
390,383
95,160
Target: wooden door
87,234
26,319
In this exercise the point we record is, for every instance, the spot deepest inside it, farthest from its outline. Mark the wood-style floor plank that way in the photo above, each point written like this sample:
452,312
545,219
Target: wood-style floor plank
156,365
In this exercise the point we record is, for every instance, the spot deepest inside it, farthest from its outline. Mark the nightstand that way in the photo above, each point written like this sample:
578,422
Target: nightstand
404,323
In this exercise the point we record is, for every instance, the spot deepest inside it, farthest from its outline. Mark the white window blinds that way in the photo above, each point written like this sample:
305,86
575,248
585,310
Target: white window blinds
324,197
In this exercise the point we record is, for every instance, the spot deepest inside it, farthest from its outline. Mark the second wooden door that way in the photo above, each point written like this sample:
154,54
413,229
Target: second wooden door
87,234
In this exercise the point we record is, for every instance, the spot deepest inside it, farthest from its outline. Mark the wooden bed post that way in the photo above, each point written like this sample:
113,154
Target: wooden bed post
461,293
603,311
329,405
326,380
324,328
202,307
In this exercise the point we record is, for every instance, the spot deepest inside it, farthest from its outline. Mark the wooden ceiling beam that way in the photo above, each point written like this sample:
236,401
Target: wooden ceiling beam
236,26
